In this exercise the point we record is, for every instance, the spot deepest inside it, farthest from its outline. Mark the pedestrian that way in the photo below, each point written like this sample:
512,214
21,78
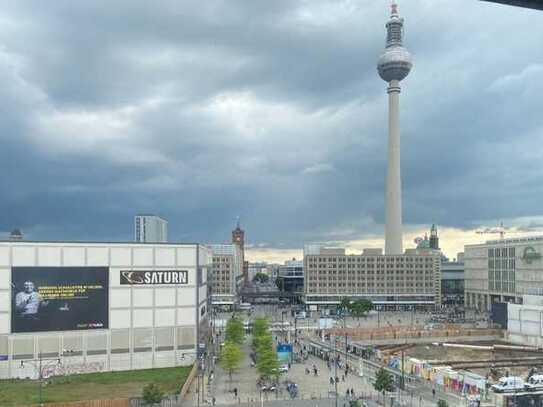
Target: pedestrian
331,380
213,400
235,391
337,379
352,392
434,393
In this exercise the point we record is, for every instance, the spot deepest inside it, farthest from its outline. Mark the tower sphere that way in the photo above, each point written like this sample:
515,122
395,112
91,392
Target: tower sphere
396,62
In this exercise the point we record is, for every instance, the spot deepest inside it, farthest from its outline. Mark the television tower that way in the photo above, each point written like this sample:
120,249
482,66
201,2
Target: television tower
393,66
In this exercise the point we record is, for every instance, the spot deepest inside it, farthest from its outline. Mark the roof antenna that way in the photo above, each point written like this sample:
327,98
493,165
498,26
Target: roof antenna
394,8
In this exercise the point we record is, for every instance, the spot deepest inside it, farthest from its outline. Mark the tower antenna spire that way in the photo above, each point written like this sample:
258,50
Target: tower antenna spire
394,8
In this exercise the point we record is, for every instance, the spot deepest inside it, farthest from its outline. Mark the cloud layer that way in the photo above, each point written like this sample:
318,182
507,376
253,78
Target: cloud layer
273,111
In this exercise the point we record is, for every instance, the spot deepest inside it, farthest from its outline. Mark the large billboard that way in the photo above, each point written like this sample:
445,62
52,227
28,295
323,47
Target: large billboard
59,298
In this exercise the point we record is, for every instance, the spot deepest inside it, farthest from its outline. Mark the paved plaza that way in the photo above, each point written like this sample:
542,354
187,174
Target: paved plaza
313,390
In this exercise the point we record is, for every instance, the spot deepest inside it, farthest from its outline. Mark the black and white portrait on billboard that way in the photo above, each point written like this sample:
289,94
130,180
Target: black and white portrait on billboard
59,298
29,301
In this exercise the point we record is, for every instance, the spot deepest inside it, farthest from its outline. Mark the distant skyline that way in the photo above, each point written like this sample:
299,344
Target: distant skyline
273,111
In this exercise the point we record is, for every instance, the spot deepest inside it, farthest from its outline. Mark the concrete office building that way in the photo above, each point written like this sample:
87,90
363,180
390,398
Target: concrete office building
502,271
393,282
150,229
227,275
101,306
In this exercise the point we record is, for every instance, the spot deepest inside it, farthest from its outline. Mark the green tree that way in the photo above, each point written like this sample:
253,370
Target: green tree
231,357
235,331
261,278
344,306
262,343
152,394
260,327
267,364
442,403
383,382
360,308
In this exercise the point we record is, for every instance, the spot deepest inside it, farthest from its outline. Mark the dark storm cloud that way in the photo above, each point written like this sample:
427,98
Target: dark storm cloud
202,111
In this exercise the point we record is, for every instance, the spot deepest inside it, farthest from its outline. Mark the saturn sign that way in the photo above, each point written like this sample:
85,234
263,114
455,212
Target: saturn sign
529,255
142,277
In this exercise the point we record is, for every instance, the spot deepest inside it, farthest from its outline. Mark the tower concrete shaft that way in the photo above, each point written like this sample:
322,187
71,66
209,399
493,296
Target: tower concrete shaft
393,66
393,214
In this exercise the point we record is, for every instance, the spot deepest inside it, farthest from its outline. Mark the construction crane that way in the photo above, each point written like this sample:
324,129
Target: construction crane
501,230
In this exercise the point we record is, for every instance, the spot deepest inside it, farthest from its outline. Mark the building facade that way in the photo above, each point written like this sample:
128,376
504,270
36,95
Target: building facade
452,282
101,306
392,281
502,271
150,229
290,276
227,275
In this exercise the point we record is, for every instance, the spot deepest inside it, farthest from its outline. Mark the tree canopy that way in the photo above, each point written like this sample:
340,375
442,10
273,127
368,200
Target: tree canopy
231,357
383,381
356,308
260,326
267,363
261,278
235,331
152,394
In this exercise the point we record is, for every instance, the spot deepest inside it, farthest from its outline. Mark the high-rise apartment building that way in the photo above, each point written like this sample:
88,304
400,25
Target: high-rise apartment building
150,229
502,270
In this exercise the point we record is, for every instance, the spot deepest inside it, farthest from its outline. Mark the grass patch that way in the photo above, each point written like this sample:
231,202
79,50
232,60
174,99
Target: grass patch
91,386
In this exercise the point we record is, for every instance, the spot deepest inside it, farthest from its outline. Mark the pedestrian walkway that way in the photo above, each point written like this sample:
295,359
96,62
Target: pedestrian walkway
314,391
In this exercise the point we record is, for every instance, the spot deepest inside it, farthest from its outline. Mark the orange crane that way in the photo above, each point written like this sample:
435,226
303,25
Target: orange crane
501,230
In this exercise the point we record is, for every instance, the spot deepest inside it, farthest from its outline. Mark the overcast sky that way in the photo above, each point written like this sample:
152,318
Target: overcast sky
268,110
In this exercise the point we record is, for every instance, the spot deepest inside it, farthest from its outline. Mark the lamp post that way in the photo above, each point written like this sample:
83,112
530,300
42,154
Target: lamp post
335,368
40,365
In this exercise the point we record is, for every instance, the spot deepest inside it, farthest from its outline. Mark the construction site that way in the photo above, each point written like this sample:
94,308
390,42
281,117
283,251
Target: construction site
453,358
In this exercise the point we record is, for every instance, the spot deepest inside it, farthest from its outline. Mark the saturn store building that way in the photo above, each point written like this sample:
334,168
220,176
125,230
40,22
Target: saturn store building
92,307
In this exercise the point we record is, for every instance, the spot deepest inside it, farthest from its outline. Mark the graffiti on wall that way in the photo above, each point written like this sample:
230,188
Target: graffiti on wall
78,368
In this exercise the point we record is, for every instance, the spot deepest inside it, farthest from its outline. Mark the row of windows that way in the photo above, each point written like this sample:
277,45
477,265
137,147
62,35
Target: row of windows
503,264
501,252
414,290
501,286
369,266
371,259
501,275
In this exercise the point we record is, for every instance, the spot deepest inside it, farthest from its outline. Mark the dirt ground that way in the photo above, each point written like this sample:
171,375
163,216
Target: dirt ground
444,354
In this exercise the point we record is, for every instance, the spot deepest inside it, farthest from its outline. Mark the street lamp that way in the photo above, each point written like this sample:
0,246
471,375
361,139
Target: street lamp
40,365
